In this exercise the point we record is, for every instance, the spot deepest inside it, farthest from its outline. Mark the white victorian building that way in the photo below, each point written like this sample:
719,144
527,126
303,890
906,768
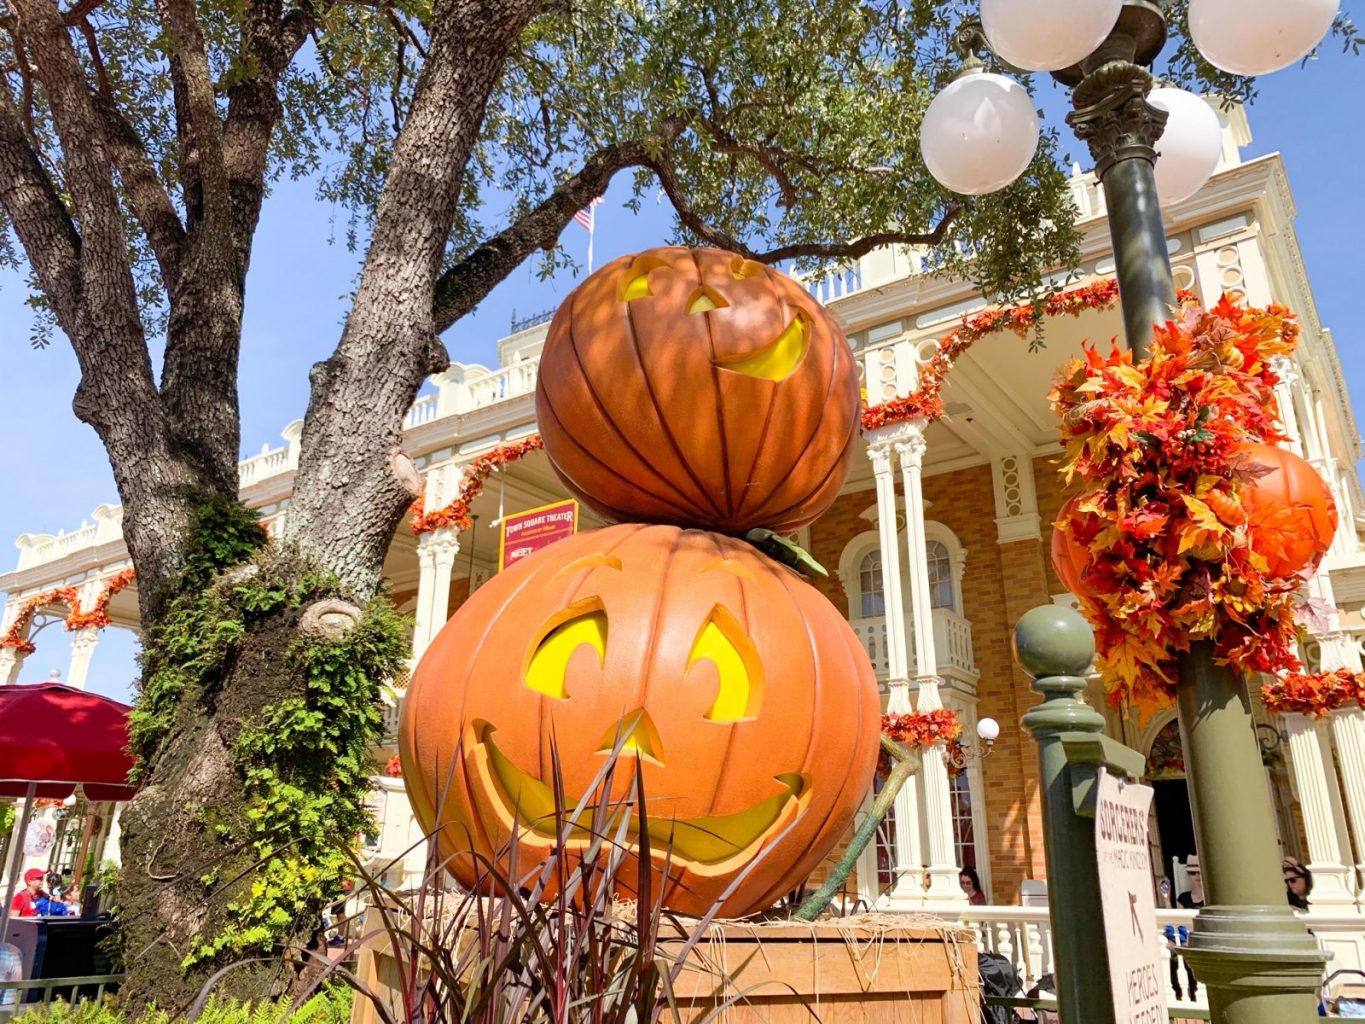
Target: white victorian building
936,545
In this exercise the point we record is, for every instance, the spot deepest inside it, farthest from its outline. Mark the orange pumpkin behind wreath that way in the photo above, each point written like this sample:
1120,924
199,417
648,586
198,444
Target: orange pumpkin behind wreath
695,387
1291,516
740,690
1070,543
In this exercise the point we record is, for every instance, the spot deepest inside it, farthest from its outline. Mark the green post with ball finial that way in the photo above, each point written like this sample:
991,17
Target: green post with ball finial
1056,646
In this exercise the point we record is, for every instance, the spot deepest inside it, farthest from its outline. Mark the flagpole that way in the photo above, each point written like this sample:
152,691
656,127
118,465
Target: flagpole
592,227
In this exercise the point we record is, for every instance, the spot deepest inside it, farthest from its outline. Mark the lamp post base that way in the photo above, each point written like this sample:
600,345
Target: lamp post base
1256,957
1259,964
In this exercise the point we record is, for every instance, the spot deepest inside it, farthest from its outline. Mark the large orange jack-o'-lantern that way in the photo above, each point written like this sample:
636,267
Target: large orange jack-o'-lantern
693,386
743,694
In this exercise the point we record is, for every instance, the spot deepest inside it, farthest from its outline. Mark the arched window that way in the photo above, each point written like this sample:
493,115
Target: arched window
940,575
870,585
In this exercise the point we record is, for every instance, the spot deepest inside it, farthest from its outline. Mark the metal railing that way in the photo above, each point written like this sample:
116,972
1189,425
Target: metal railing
534,320
74,990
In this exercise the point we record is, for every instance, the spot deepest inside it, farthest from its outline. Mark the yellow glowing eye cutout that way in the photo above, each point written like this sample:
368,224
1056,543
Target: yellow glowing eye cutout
723,642
549,661
778,360
635,284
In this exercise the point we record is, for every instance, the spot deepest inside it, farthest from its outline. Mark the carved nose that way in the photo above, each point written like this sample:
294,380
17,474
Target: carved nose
704,300
635,734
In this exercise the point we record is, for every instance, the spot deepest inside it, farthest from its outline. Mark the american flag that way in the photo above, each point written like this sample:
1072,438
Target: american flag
584,217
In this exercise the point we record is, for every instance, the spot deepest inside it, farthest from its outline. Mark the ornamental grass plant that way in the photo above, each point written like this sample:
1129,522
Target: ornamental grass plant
556,945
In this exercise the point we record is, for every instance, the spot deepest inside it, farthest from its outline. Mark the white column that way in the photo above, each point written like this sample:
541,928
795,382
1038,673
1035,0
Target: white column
1288,372
436,553
910,446
909,861
112,838
11,660
83,643
426,581
933,777
898,674
1315,780
1348,734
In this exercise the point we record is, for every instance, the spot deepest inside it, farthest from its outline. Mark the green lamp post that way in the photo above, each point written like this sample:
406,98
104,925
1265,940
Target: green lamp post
1256,958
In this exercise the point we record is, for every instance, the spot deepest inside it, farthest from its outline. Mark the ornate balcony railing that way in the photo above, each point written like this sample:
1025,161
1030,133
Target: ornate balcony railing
952,642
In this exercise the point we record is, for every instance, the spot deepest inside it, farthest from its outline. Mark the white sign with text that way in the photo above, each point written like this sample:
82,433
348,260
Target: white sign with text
1121,846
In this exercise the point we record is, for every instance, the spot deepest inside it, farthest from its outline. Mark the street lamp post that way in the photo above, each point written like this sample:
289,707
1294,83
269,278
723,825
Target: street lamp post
1257,960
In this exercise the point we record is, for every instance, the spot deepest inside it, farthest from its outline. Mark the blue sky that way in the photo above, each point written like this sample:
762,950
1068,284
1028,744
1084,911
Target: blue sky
54,470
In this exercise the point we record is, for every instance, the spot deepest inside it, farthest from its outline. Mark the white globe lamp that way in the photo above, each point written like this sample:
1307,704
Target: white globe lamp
1188,149
1047,35
988,729
979,134
1256,37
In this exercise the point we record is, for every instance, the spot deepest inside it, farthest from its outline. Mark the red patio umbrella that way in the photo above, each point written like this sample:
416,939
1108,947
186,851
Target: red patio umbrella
52,739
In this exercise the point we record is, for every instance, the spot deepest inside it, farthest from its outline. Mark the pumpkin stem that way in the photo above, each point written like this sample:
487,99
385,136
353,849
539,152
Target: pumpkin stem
785,550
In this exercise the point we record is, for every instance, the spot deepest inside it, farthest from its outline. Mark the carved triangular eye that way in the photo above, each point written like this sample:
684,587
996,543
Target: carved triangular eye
586,623
723,642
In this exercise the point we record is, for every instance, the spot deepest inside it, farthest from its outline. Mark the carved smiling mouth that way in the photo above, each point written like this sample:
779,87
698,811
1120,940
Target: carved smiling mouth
706,840
778,359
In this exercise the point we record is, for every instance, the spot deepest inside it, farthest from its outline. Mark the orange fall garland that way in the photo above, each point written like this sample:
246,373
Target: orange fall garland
456,514
94,617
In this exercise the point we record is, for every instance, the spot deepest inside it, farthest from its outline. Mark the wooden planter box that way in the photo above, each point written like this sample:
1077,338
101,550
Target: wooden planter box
870,970
840,972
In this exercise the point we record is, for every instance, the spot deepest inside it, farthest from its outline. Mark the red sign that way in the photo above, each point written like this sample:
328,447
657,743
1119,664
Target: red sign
525,533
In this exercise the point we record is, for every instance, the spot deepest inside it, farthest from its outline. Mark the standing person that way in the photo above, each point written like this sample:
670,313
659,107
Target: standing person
1194,898
25,902
970,882
1177,936
1298,883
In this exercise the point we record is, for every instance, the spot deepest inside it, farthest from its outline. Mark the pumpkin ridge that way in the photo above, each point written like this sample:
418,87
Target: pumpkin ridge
542,727
697,509
658,409
853,429
643,692
815,433
744,607
725,466
806,767
768,414
686,500
677,506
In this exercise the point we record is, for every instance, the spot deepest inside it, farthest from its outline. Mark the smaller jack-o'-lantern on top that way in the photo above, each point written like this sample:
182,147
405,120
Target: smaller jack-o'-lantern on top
695,387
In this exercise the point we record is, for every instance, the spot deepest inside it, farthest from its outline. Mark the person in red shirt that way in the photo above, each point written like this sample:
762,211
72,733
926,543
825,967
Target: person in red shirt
25,903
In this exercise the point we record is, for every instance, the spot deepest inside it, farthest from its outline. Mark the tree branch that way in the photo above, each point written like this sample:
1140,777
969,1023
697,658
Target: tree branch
41,221
151,204
205,131
842,250
89,180
464,285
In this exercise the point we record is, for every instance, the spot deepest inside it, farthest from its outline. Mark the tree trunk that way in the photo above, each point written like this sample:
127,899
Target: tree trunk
180,872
